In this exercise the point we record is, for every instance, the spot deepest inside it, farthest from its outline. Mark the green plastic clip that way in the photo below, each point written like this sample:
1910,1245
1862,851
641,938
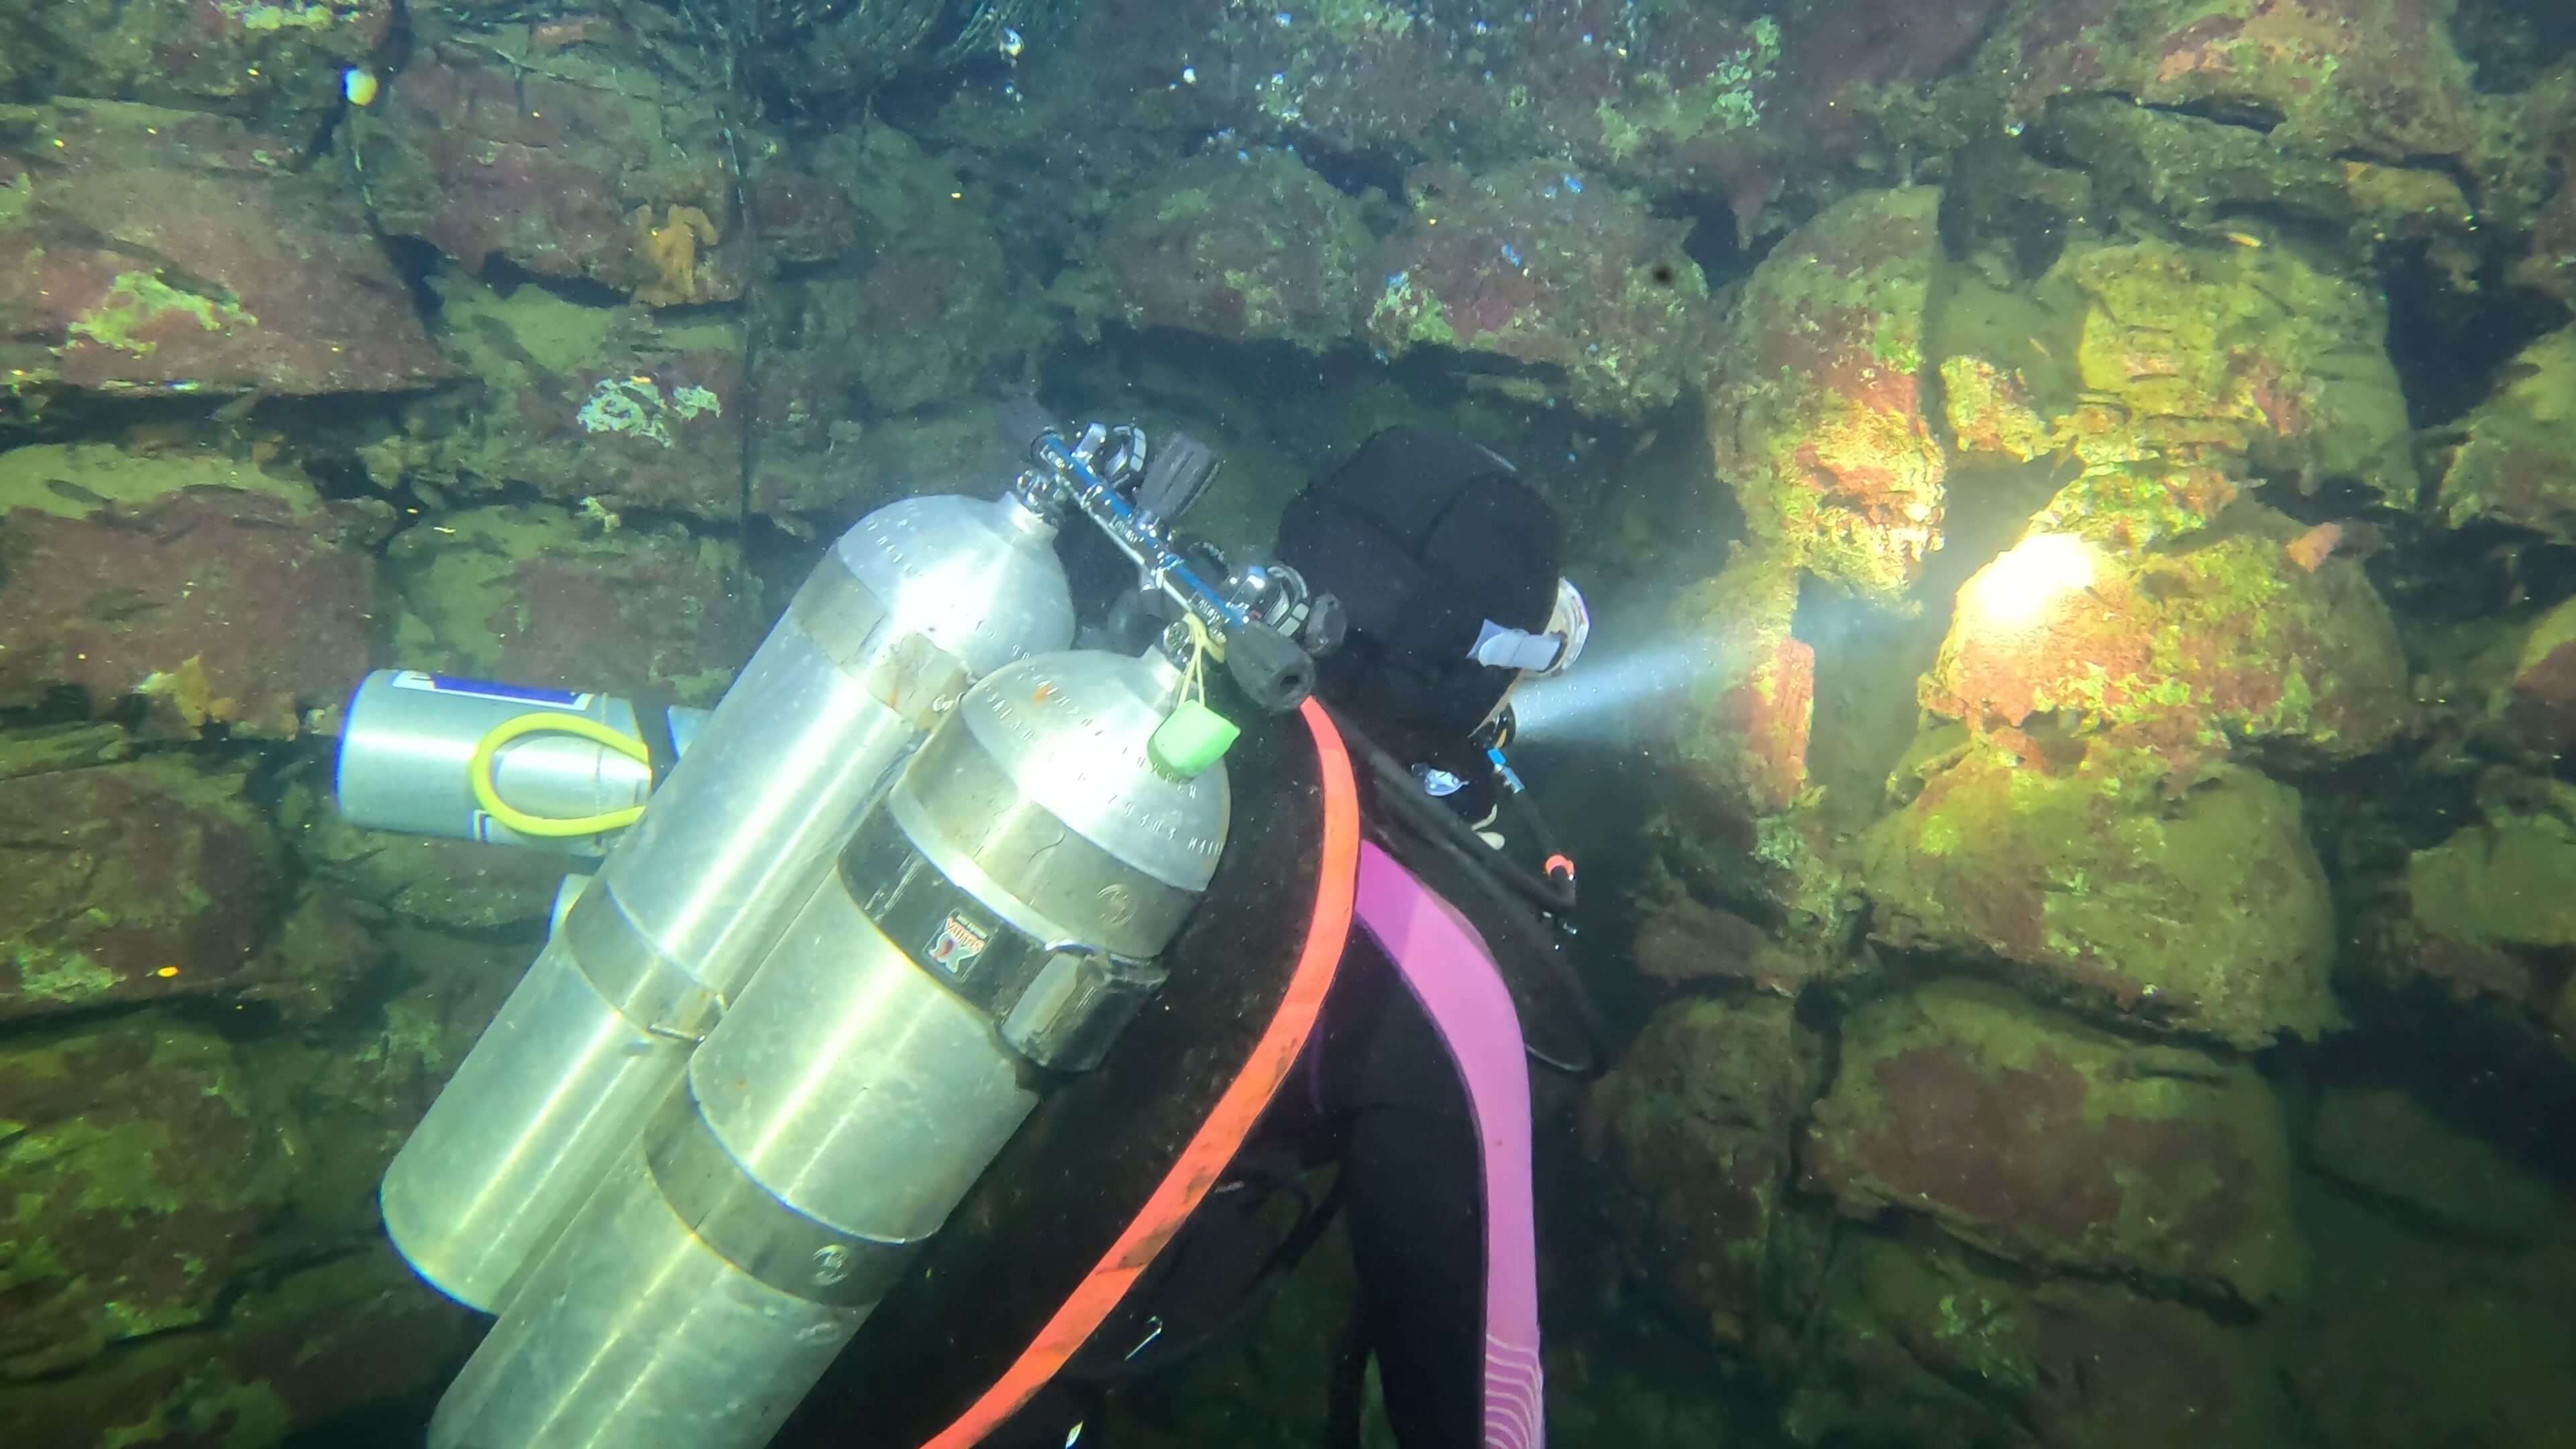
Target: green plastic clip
1190,739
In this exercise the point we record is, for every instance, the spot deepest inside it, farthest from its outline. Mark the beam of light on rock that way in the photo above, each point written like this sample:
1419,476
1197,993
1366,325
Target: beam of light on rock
2028,581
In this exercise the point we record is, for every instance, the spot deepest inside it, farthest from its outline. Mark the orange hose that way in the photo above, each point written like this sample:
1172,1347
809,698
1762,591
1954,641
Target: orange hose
1203,1162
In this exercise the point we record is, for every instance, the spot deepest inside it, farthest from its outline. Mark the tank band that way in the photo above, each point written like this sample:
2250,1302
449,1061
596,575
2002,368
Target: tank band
960,808
1058,1000
848,623
750,1227
623,965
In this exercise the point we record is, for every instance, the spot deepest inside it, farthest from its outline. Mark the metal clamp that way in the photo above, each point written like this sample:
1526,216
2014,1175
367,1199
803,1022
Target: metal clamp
1057,1002
1081,999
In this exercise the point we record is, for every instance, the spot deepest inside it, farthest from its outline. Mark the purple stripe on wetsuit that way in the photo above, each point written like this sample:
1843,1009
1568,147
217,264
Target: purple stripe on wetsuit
1447,967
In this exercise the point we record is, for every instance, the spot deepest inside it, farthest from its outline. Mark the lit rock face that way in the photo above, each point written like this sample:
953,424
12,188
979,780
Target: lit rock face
2165,663
2167,376
1816,413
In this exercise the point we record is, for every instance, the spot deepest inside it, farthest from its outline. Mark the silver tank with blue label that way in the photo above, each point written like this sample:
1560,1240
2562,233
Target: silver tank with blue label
908,609
408,740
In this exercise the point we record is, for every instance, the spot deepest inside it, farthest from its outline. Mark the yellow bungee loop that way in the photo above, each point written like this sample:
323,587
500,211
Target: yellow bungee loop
478,774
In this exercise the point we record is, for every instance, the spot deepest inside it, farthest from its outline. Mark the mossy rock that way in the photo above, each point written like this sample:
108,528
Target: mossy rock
1917,1342
547,596
132,883
139,1176
1816,402
2516,456
2260,637
2511,882
293,1352
449,884
2034,1137
2207,914
1691,1139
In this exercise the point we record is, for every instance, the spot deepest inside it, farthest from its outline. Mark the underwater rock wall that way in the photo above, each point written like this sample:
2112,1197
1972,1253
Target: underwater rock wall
2098,478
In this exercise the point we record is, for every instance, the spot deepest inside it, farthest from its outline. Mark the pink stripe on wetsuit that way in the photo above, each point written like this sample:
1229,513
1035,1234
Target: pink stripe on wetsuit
1445,964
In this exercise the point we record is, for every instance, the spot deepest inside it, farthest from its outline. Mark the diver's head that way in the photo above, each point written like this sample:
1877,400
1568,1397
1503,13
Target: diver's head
1448,567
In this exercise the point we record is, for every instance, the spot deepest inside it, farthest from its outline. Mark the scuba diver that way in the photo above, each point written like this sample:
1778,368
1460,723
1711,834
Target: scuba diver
942,1046
1446,566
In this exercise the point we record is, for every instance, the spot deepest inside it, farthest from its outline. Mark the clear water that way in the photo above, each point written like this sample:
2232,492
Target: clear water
2069,770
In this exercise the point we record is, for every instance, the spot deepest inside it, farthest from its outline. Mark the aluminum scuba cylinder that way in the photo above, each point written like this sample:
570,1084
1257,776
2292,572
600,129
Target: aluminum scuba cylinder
910,606
1001,907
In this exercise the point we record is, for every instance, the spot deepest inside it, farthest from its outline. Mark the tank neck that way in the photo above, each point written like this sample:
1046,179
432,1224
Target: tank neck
1019,514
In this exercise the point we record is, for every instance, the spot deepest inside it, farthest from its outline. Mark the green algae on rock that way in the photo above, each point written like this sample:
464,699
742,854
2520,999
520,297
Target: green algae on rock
2331,77
1918,1342
1691,1136
2206,915
1816,405
531,594
2053,1144
2192,370
137,1176
577,402
2252,639
2505,883
2515,457
2539,706
134,883
2215,178
207,592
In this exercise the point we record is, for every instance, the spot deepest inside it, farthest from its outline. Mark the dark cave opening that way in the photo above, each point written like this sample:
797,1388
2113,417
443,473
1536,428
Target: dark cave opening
2448,344
2509,43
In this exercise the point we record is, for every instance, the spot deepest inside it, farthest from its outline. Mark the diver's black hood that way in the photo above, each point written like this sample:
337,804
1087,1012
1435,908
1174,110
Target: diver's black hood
1423,536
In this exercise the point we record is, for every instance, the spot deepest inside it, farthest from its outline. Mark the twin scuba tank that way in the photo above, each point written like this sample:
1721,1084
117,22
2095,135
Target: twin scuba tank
918,847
